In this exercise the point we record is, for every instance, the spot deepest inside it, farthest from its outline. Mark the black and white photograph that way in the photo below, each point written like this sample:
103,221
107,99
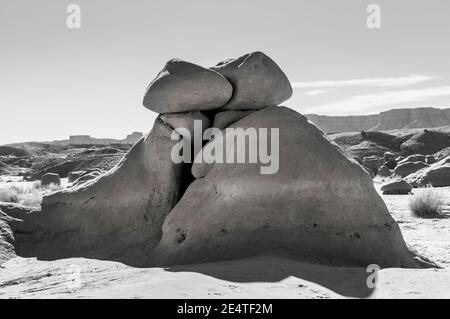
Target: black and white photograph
224,155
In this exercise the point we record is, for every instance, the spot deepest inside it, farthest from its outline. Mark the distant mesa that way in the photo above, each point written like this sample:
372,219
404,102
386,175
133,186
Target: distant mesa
424,117
88,140
133,137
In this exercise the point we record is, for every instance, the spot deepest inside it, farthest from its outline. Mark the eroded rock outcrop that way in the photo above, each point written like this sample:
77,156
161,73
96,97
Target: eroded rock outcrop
407,168
319,206
396,187
116,217
436,175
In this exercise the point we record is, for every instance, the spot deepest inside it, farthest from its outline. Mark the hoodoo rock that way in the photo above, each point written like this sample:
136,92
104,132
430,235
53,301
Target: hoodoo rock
183,87
257,81
320,205
118,217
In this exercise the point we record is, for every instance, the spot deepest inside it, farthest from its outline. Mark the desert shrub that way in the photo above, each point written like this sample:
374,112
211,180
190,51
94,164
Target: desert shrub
427,204
8,195
24,193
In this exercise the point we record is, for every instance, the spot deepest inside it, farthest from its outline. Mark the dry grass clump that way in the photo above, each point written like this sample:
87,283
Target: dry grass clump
25,193
427,204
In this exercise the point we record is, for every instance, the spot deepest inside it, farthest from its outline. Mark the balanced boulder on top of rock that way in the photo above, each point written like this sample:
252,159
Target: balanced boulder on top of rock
257,82
183,86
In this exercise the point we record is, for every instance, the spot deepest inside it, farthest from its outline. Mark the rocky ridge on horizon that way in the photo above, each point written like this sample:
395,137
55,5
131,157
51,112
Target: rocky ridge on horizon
395,119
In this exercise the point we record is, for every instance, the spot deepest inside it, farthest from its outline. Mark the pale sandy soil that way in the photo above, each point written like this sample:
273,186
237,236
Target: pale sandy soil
258,277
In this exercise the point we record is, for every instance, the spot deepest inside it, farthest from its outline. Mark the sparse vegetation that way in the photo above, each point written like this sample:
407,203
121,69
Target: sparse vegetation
427,204
24,193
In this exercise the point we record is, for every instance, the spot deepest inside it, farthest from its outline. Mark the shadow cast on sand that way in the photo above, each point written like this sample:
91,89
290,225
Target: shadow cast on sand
345,281
273,268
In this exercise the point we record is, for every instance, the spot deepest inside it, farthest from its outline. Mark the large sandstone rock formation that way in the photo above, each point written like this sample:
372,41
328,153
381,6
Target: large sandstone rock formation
321,206
117,217
318,204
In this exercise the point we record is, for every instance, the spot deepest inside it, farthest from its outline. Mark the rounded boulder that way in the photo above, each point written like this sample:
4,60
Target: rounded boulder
183,87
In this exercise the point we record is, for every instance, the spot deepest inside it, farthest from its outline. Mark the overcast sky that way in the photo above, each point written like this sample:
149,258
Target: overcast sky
55,81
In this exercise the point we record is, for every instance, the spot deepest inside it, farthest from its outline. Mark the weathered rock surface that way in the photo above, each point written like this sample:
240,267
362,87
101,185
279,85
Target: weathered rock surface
430,159
183,87
384,171
407,168
7,250
75,175
389,156
257,82
396,187
391,164
413,158
226,118
437,175
426,142
321,205
373,163
51,178
117,218
442,153
180,121
86,178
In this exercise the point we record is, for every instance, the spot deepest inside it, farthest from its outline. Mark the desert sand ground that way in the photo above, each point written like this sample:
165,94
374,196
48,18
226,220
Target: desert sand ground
266,276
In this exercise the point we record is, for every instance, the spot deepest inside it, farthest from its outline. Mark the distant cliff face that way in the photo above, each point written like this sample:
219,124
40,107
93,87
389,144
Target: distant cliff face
390,120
